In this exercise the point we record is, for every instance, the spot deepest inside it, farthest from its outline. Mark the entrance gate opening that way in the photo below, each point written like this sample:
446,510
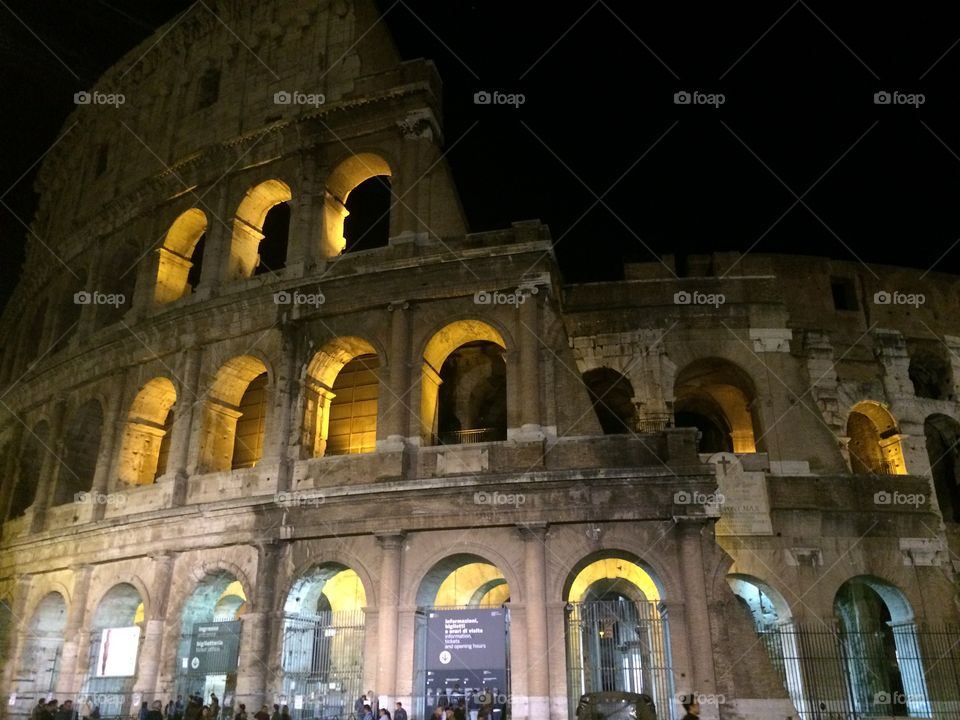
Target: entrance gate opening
462,639
617,635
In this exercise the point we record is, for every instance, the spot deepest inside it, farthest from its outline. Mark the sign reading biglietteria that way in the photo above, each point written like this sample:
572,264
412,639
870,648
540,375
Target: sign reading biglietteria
215,648
466,648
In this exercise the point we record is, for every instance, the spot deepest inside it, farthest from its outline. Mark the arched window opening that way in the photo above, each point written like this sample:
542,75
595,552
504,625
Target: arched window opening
931,375
73,299
208,88
372,203
874,441
35,446
248,448
367,224
235,416
341,395
118,274
323,641
464,401
81,445
943,448
276,234
472,404
716,397
31,336
616,631
146,435
181,257
612,397
882,655
251,243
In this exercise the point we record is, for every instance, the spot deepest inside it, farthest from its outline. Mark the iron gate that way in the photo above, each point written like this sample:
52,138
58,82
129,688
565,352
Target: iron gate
619,645
323,663
112,695
835,675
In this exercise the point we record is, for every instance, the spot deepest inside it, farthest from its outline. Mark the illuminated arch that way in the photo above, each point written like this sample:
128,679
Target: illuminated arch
147,433
248,224
622,574
345,422
874,440
115,635
176,255
716,396
340,183
228,402
440,346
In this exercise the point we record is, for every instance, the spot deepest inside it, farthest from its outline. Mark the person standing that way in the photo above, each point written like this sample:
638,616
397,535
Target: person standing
154,713
262,714
241,713
285,712
214,706
39,710
276,713
399,713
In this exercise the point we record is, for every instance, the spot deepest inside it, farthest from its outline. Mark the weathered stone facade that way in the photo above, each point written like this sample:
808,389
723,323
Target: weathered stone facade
121,464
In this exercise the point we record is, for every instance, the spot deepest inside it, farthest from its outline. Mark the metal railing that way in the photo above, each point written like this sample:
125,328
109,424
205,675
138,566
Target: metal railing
467,437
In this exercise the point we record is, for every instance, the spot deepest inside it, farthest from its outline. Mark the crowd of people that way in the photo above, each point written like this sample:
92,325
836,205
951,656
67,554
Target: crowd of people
469,704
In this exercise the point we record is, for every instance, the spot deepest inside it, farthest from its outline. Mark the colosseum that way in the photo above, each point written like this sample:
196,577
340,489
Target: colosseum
276,426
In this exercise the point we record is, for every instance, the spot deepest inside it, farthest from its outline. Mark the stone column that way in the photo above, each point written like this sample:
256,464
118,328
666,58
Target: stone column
528,338
68,680
394,404
218,245
391,544
280,442
182,435
19,627
148,664
10,469
255,661
49,468
697,613
113,426
538,651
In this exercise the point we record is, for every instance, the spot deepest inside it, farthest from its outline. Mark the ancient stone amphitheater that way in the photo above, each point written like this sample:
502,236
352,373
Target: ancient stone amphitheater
276,426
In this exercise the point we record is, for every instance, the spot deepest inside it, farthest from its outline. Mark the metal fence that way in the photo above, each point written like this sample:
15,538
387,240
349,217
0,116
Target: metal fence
904,670
619,645
322,663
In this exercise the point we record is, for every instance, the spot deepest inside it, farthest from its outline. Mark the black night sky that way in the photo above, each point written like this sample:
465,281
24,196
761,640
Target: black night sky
798,158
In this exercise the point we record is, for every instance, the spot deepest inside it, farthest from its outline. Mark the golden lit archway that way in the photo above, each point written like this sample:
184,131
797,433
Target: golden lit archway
344,178
341,392
147,433
874,444
716,396
463,580
248,225
444,342
238,392
621,572
176,255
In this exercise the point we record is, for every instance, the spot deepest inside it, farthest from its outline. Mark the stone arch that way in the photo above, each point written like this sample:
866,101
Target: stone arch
433,570
228,400
716,396
33,448
767,605
341,396
931,373
345,177
874,440
115,635
876,623
146,434
614,608
612,395
81,449
942,434
177,259
72,296
117,273
37,664
248,225
481,337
